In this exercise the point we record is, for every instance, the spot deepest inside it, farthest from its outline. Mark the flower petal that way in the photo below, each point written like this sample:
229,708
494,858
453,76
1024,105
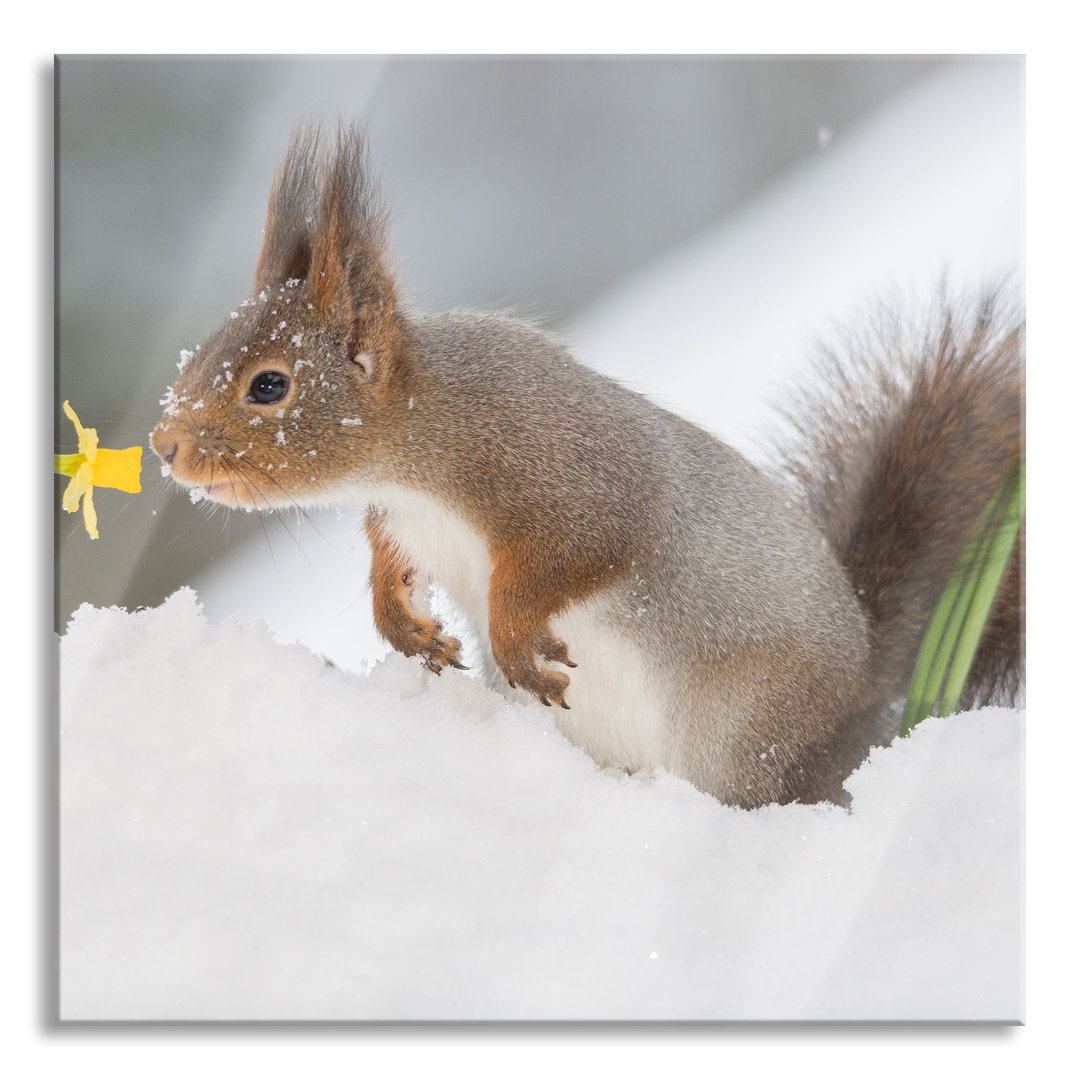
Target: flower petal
88,437
119,469
80,483
89,513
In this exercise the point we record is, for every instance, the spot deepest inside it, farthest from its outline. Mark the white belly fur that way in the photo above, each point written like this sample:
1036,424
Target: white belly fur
616,703
616,709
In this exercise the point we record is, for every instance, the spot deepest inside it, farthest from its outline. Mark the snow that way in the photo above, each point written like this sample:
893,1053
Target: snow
249,833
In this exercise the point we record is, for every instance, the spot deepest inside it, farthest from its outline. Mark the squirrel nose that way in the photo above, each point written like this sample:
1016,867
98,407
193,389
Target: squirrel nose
163,447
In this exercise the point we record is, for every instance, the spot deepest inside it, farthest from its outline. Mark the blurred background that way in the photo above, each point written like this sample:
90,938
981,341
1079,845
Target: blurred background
688,225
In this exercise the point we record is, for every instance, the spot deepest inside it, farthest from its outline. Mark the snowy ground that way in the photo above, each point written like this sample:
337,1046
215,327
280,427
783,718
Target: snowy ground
271,838
246,832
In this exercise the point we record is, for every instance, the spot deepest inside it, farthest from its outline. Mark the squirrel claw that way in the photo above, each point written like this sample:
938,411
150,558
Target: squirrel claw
551,648
450,649
434,651
547,687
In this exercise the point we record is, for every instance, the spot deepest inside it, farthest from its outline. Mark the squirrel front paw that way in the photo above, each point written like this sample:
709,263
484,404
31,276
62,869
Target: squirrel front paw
392,581
548,687
521,669
416,635
437,652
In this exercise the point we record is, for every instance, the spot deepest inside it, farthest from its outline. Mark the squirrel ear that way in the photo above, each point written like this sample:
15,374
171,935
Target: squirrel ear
291,212
373,338
325,223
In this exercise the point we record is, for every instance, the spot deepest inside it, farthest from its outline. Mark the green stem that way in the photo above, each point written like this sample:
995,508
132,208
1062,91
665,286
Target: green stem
957,623
986,587
68,464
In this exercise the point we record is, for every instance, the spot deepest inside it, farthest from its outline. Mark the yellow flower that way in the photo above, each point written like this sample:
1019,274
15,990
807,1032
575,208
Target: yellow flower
92,467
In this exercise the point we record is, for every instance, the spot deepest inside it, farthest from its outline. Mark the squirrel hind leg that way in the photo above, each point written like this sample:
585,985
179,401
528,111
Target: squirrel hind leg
772,723
392,582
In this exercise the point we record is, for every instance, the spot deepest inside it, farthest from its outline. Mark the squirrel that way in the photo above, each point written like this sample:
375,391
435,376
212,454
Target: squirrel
680,607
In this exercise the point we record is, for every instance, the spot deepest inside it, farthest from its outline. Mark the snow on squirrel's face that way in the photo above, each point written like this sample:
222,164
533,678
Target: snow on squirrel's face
269,412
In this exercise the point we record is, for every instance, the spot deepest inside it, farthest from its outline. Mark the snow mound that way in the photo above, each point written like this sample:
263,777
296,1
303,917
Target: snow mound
250,834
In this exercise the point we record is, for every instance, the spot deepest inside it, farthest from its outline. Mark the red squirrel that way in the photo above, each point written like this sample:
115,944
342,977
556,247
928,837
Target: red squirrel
676,605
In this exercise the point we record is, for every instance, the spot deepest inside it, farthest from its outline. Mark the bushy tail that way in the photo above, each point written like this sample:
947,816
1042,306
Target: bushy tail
903,444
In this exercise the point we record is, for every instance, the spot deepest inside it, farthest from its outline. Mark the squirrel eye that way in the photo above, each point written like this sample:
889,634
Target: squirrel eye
268,387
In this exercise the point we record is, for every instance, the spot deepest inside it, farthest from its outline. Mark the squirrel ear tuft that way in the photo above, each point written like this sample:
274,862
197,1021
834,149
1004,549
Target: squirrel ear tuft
291,213
349,239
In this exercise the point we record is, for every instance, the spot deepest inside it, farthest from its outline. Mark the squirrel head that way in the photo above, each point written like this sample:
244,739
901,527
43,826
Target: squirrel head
284,402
